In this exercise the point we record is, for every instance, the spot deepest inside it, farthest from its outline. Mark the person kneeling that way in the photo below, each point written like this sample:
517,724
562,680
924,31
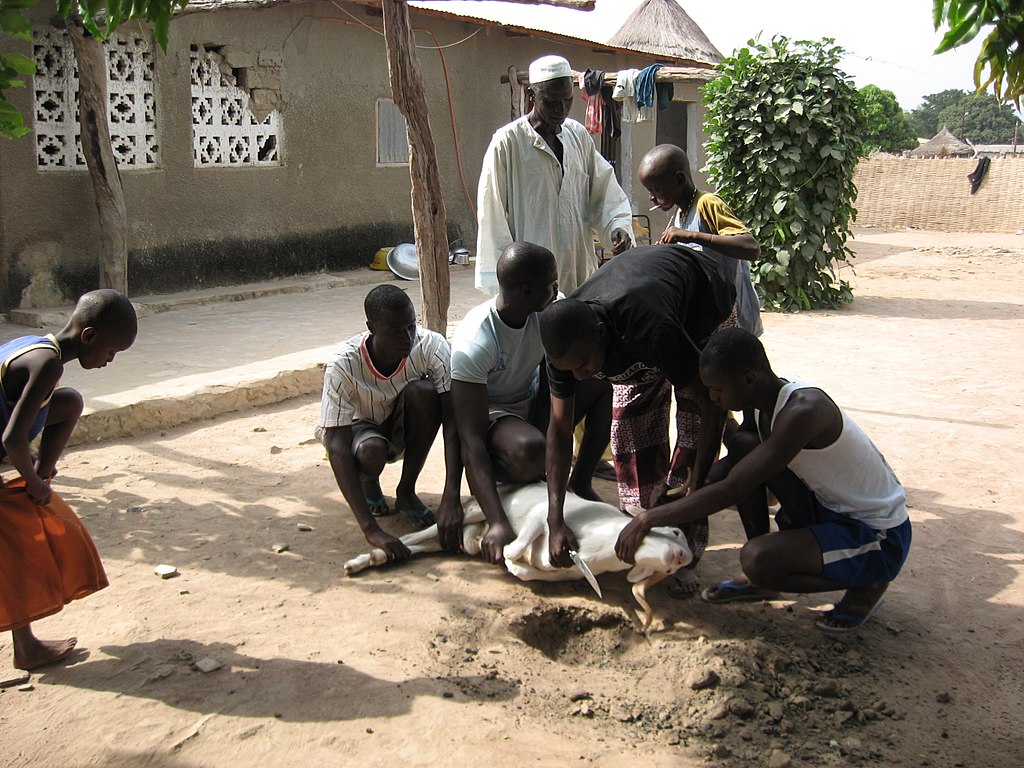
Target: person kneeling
843,522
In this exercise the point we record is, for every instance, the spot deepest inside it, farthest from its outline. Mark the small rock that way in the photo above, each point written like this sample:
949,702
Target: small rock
279,548
800,701
741,708
184,592
586,710
869,714
369,730
893,627
448,695
259,429
304,527
842,717
721,751
20,678
828,689
136,510
779,759
700,679
776,710
944,698
26,687
580,696
720,711
207,665
275,449
165,571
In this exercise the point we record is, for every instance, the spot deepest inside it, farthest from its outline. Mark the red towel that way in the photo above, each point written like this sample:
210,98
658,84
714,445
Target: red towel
47,558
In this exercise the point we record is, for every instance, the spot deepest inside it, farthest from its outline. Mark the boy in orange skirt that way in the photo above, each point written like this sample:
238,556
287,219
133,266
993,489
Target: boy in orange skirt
47,558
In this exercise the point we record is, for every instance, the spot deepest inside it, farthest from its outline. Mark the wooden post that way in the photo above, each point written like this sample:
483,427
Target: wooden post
515,93
99,157
428,212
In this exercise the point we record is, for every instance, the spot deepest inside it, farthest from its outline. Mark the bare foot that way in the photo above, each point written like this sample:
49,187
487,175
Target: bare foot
583,487
31,652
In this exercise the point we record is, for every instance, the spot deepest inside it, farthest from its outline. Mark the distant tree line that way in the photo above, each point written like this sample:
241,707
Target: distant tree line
975,117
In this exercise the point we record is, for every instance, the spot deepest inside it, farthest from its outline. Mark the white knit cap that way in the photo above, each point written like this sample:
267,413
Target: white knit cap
549,68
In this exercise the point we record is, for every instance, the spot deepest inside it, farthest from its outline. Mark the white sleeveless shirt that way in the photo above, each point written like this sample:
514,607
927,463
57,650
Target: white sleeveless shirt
850,477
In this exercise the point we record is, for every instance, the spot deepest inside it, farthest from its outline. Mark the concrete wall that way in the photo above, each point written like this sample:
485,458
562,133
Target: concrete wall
896,192
191,226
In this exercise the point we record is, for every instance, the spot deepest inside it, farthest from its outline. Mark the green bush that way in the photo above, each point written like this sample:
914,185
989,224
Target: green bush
784,139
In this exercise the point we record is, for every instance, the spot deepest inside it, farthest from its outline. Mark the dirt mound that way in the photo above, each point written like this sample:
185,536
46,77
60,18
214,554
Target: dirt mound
804,698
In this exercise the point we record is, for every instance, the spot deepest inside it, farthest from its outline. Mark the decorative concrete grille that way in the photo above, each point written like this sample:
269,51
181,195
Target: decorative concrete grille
224,132
132,106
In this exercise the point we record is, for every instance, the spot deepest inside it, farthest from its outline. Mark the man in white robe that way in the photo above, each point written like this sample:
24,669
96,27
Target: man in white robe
544,182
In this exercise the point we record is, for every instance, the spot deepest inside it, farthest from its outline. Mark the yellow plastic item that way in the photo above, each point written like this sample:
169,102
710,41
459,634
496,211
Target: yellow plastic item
380,260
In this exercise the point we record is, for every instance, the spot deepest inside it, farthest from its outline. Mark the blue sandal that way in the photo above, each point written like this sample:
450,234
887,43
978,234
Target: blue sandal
855,621
730,591
422,516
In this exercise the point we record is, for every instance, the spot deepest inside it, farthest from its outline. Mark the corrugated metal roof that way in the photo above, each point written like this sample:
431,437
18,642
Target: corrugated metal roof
491,9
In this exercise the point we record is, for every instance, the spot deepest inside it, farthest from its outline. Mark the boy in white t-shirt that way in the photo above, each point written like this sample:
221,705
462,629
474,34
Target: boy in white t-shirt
385,395
500,395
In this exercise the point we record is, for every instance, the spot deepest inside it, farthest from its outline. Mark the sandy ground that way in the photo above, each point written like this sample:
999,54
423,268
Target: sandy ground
449,661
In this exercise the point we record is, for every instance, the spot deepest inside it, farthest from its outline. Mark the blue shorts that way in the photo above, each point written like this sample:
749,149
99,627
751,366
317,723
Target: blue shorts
852,553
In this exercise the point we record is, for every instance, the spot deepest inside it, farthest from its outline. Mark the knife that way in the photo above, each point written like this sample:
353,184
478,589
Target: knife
585,570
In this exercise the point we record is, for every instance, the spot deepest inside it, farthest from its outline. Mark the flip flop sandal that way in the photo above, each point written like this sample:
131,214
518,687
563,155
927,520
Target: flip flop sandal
423,517
854,621
730,591
379,507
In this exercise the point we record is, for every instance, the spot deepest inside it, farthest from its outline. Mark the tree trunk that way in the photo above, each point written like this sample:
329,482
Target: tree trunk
99,157
428,213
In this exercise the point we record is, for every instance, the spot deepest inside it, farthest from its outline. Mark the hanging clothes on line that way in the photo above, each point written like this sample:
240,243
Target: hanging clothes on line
590,85
645,92
625,92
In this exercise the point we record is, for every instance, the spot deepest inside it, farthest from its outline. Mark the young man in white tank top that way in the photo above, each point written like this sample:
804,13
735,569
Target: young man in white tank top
842,522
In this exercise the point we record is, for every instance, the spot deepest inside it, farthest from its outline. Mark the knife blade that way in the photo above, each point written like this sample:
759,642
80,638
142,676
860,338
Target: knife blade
585,570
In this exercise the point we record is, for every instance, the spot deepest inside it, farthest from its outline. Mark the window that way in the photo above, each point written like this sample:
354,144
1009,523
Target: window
224,131
132,104
392,142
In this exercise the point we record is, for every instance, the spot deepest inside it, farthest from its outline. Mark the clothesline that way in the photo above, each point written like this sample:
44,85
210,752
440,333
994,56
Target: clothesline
663,75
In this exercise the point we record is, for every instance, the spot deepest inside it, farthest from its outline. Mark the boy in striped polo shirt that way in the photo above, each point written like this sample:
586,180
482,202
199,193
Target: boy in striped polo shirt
385,395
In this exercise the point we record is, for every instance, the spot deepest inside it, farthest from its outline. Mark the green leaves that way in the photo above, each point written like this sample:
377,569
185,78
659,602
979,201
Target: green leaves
783,127
13,66
1002,52
886,126
99,17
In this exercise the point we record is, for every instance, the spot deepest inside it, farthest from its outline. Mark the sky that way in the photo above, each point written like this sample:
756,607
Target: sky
889,42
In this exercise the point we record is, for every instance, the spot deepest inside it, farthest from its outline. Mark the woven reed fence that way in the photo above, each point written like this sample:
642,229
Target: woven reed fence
934,193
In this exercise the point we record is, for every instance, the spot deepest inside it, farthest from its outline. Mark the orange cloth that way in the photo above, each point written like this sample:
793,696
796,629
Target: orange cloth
47,558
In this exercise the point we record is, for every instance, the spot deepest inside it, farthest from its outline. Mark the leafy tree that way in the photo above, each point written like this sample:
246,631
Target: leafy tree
980,119
784,124
99,17
1002,52
925,119
885,124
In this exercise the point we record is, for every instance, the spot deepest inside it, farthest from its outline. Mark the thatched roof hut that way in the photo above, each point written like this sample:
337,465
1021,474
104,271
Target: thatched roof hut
663,28
944,144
